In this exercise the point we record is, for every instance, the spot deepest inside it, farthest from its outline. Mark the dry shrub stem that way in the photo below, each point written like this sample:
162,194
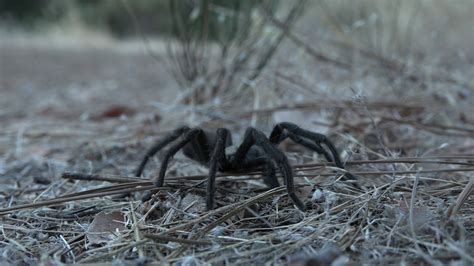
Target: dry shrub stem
242,55
357,208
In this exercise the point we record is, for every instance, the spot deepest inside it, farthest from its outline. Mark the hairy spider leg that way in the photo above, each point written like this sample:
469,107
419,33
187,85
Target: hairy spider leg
304,142
255,137
270,174
217,161
277,132
158,146
187,137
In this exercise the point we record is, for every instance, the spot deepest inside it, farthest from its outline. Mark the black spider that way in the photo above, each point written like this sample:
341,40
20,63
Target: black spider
256,150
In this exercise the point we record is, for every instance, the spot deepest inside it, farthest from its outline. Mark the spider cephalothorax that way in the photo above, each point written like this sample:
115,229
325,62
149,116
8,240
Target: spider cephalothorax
255,150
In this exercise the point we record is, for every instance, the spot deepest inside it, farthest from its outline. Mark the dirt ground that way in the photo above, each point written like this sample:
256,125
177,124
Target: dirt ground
70,77
71,87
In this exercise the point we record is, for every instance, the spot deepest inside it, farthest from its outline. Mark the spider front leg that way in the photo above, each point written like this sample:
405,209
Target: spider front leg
187,137
255,137
218,160
189,134
282,135
302,136
160,145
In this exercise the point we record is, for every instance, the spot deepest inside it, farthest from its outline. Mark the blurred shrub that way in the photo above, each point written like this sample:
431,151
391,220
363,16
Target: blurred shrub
216,19
153,16
27,13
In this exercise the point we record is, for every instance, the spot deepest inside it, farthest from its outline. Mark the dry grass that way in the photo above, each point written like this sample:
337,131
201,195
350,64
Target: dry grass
410,208
404,128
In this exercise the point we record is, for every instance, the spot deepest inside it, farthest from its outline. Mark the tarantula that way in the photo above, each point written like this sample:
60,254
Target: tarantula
256,149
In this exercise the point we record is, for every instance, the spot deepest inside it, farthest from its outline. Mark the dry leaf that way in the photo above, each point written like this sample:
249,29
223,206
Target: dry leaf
421,216
117,111
193,203
304,192
103,227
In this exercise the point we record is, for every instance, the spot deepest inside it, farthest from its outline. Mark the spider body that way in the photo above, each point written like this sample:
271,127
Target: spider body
209,148
200,148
